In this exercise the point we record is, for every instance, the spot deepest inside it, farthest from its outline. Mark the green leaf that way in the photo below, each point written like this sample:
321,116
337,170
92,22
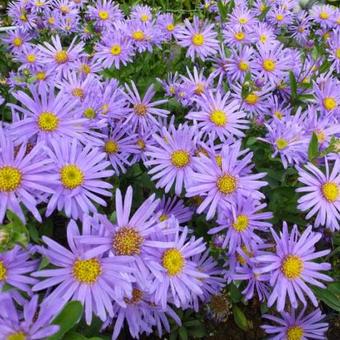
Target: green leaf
293,85
239,318
313,148
183,333
330,296
235,294
67,319
74,336
223,10
197,332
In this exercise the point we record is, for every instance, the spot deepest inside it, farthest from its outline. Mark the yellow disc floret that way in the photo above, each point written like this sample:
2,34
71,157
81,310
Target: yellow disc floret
61,57
48,121
197,39
111,147
218,117
330,191
127,241
10,178
116,49
226,184
3,271
329,103
71,176
87,271
281,143
180,158
295,333
16,336
269,65
173,261
241,223
292,267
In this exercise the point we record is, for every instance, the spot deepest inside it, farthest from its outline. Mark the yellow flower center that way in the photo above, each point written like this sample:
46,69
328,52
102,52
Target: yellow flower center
241,223
111,147
87,271
295,333
78,92
251,98
144,18
170,27
329,103
3,271
269,65
31,58
85,68
218,117
278,114
64,9
330,191
137,296
243,66
71,176
48,121
337,53
240,258
239,36
323,15
105,109
263,38
138,35
218,159
163,217
61,57
17,336
200,88
173,261
116,49
127,241
103,15
197,39
51,20
292,267
279,17
41,75
141,144
326,36
320,134
243,20
281,143
180,158
140,109
262,7
17,41
226,184
89,113
10,180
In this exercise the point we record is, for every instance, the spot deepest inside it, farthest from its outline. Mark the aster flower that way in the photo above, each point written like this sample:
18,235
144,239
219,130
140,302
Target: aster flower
279,16
47,116
334,50
21,17
141,116
94,281
321,194
171,84
23,177
177,277
166,23
29,57
297,326
171,159
59,59
241,222
240,63
322,14
15,267
16,39
264,35
33,323
222,184
113,49
142,13
236,36
241,16
79,172
291,267
198,37
219,115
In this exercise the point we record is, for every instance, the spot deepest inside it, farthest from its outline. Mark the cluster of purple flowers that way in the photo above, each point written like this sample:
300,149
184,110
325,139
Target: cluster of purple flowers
72,130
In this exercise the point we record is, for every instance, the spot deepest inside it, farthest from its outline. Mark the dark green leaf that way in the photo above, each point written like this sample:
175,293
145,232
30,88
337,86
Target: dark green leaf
183,333
313,148
239,318
293,85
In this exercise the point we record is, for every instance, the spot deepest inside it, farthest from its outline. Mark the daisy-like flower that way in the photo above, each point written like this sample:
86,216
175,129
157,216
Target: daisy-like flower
177,277
142,112
171,160
119,146
113,49
241,221
293,326
15,267
271,63
21,16
33,323
322,14
79,172
236,36
264,35
173,207
220,184
321,194
29,57
16,39
280,16
241,16
142,13
240,63
47,116
59,59
23,177
198,37
334,50
292,266
166,23
219,115
94,281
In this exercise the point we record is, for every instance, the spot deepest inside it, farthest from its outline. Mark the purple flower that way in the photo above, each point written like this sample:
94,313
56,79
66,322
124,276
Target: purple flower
240,63
79,172
301,326
94,281
321,194
220,184
33,323
24,177
171,160
198,37
291,267
322,14
219,116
